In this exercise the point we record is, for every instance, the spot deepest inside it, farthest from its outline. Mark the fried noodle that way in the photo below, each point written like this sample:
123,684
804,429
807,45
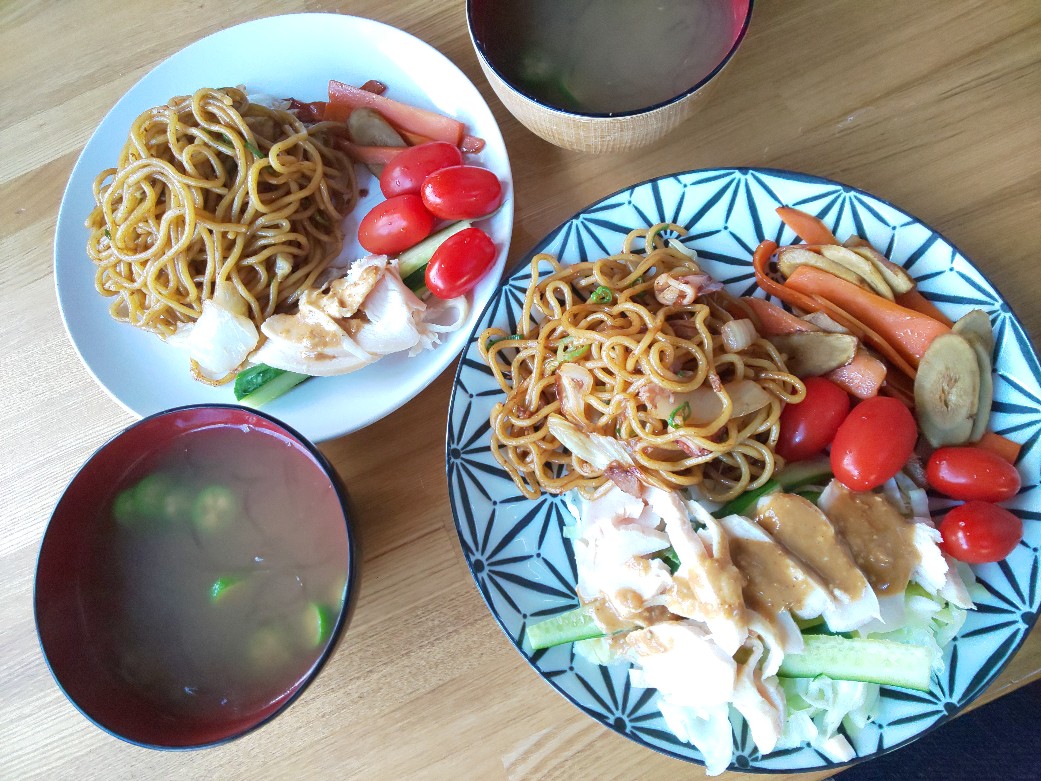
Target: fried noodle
211,188
637,351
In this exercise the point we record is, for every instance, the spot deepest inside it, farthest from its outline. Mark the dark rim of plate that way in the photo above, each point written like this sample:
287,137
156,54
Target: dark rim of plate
480,46
343,619
525,259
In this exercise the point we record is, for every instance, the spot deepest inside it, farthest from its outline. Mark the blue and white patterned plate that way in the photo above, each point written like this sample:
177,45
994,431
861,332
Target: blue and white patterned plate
525,569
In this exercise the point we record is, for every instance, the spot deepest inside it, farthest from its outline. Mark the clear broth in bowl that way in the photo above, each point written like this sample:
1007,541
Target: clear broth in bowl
606,56
225,576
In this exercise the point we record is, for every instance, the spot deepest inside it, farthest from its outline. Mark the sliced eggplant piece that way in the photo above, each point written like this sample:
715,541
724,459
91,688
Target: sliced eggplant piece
975,327
813,353
975,324
859,265
947,390
897,279
825,323
791,258
368,128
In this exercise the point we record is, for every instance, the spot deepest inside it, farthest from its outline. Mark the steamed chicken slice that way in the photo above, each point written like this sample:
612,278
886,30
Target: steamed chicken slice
707,585
800,526
346,325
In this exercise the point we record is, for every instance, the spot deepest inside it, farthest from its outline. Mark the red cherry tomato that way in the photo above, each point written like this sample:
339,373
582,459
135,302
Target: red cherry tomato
395,225
461,260
462,192
408,170
979,532
809,426
874,441
972,473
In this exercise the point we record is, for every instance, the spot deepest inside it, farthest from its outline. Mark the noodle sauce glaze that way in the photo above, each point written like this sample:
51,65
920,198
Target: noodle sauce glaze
188,593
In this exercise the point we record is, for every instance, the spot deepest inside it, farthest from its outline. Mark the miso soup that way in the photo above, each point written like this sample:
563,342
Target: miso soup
226,559
606,56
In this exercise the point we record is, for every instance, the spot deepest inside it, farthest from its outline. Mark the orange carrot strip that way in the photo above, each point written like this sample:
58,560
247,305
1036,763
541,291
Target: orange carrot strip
866,334
370,155
1003,446
899,329
411,118
471,144
807,227
862,377
413,139
912,299
374,86
774,320
336,112
760,259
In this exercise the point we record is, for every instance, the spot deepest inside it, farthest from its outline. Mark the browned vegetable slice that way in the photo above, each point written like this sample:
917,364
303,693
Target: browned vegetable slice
975,327
947,390
898,279
791,258
861,266
813,353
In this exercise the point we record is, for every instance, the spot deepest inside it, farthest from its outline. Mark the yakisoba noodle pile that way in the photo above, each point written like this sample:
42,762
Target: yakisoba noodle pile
627,344
212,187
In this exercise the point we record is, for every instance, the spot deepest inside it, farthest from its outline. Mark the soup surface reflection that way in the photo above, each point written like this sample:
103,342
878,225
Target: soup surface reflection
225,573
607,56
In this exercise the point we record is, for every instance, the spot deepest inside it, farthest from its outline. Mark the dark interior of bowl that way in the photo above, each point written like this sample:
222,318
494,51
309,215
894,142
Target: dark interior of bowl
605,57
169,629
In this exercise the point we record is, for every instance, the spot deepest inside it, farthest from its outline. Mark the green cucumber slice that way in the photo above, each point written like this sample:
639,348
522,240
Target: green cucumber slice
567,627
861,659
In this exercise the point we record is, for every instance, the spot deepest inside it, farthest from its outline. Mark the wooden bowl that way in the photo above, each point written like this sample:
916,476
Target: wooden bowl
592,132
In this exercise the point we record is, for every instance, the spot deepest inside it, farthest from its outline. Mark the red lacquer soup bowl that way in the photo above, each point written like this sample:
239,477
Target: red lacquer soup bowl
194,577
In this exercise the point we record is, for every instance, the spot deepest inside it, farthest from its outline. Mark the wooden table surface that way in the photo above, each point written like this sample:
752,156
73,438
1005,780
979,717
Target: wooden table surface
934,105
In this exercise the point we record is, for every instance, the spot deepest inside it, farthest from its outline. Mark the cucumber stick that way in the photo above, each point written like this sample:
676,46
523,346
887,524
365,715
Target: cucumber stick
272,384
802,473
577,624
416,258
861,659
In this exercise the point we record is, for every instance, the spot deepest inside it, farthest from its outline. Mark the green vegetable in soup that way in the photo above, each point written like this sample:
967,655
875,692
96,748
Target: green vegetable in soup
317,623
222,586
124,508
150,495
176,506
215,508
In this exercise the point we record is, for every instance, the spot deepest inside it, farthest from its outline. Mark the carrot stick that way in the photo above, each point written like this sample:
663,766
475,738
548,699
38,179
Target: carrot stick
773,320
898,329
411,118
471,144
760,259
413,139
1003,446
866,334
912,299
862,377
807,227
370,155
336,112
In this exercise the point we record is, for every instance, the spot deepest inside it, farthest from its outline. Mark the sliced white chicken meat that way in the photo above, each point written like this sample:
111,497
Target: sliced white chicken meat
809,536
707,585
759,698
310,342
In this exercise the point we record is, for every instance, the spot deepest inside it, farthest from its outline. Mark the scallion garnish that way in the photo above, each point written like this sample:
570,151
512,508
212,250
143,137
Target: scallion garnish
602,295
682,411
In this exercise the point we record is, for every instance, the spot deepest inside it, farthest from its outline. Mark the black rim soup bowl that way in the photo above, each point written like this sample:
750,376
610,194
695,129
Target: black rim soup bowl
194,577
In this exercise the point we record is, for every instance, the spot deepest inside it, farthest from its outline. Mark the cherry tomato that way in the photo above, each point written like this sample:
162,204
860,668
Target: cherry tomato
972,473
461,260
395,225
462,192
809,426
408,170
874,441
979,532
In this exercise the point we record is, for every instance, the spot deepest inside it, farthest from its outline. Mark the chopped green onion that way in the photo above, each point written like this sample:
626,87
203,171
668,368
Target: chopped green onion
497,339
564,355
320,218
682,411
107,234
637,281
253,149
602,295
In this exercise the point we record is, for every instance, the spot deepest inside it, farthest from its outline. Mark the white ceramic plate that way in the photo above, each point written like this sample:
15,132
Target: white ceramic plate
285,56
524,566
